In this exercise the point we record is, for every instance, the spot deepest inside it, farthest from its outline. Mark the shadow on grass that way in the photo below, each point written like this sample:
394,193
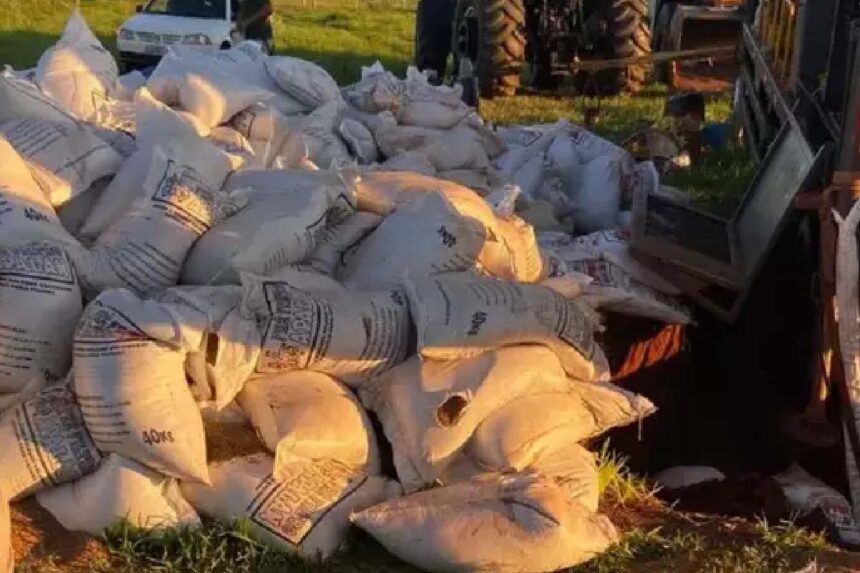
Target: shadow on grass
22,48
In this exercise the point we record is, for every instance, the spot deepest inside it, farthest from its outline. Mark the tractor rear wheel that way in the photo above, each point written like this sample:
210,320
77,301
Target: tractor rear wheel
627,35
491,33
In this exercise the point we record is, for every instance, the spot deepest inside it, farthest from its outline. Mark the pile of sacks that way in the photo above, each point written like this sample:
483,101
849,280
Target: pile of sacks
206,249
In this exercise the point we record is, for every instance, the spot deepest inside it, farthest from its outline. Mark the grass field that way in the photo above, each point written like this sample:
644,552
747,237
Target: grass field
341,35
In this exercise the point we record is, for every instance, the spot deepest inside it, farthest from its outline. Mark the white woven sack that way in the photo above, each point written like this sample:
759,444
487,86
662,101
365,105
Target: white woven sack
25,213
77,71
129,379
182,199
305,416
286,214
40,303
307,513
359,139
429,409
337,239
120,490
424,237
612,245
509,249
44,443
319,132
351,335
303,80
156,122
520,523
213,98
514,435
225,359
72,153
459,315
20,98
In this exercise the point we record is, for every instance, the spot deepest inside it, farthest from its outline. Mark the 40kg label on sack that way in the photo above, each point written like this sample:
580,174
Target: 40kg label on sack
291,508
130,382
350,335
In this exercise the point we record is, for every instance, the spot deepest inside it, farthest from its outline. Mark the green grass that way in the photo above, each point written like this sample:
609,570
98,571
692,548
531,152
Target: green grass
768,549
617,482
718,180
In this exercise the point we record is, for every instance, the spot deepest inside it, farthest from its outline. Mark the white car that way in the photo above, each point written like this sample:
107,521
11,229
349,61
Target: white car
159,24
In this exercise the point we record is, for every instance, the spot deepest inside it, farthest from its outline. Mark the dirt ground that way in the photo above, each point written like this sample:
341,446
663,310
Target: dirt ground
43,546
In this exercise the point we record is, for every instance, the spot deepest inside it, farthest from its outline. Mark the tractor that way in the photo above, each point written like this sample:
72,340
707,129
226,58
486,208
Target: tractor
546,38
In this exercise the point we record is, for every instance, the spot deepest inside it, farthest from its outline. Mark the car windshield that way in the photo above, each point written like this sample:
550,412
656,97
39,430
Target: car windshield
189,8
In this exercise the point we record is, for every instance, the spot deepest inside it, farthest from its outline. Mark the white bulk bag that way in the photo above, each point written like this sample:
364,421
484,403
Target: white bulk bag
382,192
7,557
806,494
40,303
285,217
553,192
213,98
459,315
454,151
72,153
611,245
337,239
359,140
598,198
319,132
424,237
590,146
181,200
74,213
303,80
20,98
307,513
127,85
479,180
613,289
509,249
530,177
570,466
272,135
531,145
430,409
351,335
25,213
119,195
520,523
155,122
425,110
234,143
411,162
514,435
77,71
245,62
44,442
120,490
129,378
306,416
228,351
226,358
